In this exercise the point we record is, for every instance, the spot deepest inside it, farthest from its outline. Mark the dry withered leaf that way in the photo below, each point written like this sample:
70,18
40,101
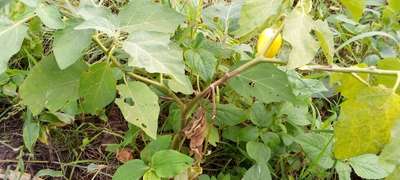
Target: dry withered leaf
195,131
124,154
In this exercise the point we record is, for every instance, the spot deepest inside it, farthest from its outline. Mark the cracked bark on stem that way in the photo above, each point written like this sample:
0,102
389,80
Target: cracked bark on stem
160,86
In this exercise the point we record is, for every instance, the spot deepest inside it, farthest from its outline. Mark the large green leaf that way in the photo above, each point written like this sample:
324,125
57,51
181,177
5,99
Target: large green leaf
365,122
11,37
254,13
49,87
367,166
97,87
265,82
349,85
318,148
297,30
258,172
169,163
131,170
139,105
390,64
151,51
356,8
69,45
99,23
50,16
144,15
161,143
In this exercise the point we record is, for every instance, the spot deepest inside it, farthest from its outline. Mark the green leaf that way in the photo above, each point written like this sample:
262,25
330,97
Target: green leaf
202,63
183,85
249,133
227,13
169,163
213,135
296,31
49,172
394,175
365,122
260,116
144,15
49,87
31,131
390,156
296,114
97,87
151,51
394,4
161,143
343,170
139,106
366,35
349,85
99,23
265,82
151,175
258,151
356,8
367,166
229,115
257,172
325,38
131,170
50,16
389,64
11,38
31,3
254,13
317,147
69,45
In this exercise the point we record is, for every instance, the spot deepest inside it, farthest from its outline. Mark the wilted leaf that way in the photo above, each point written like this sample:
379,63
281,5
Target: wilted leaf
124,154
139,105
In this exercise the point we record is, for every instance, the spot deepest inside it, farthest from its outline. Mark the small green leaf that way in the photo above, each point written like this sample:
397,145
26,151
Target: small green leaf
229,115
50,16
69,44
97,87
318,148
265,82
139,106
356,8
343,170
260,116
325,38
161,143
144,15
132,170
296,114
367,166
31,131
49,172
202,63
258,151
151,175
254,13
258,172
169,163
213,135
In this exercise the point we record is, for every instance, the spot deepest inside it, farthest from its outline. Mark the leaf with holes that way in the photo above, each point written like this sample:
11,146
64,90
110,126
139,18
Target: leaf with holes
265,82
139,106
